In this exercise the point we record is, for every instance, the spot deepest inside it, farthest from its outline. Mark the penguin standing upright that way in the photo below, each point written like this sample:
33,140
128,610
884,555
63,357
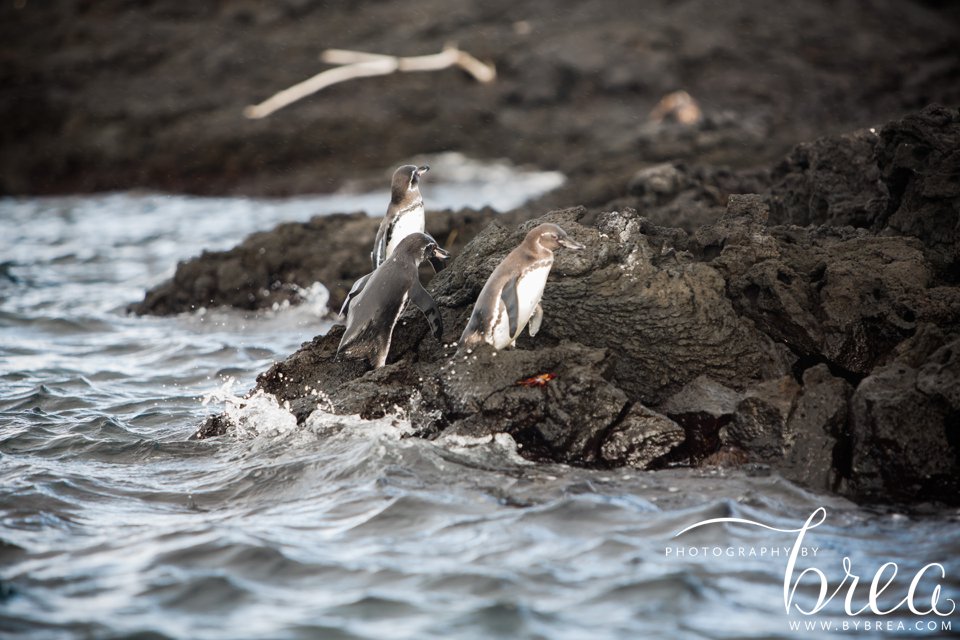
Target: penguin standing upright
511,297
404,215
381,296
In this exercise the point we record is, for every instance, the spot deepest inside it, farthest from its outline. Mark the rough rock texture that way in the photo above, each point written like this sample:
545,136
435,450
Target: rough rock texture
275,266
642,439
759,422
110,95
901,179
827,353
845,293
920,160
615,298
819,451
906,423
833,181
659,355
839,296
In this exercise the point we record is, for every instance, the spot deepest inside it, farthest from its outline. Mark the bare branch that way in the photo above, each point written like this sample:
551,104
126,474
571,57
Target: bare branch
359,64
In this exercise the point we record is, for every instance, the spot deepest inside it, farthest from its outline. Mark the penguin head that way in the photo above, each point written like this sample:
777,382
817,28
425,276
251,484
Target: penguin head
552,237
406,183
421,246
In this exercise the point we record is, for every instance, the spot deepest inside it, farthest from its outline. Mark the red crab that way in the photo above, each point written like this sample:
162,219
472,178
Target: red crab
539,380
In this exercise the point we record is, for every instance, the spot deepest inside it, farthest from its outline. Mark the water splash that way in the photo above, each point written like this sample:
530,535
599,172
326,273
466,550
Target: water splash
255,414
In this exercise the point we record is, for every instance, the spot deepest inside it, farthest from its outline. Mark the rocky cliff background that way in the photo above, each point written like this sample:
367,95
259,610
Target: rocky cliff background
111,94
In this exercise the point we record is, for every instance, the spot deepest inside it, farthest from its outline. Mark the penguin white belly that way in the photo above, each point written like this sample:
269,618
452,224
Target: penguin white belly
529,291
499,335
410,222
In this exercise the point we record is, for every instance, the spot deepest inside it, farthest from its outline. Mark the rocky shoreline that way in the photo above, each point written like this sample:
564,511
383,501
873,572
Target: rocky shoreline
829,352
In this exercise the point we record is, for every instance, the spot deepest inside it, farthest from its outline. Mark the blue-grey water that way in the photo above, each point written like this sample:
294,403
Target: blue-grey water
114,525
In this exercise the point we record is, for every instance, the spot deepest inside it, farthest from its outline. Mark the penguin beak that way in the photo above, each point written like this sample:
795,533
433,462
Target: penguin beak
570,244
440,254
419,171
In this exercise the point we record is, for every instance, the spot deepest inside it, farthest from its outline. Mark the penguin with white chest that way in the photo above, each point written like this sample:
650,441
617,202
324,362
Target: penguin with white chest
405,215
510,300
382,296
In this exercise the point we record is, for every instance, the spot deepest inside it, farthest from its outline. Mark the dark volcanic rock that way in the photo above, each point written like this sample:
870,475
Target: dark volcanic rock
702,407
834,295
759,425
833,181
677,195
112,95
625,323
902,179
664,314
919,158
906,423
819,453
642,439
275,266
655,350
565,419
827,353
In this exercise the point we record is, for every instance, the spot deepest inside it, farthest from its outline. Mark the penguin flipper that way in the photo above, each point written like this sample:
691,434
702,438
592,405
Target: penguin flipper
473,332
534,325
512,303
354,292
428,306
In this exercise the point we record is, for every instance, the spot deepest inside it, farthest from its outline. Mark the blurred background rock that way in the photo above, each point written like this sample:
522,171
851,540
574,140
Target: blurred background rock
112,94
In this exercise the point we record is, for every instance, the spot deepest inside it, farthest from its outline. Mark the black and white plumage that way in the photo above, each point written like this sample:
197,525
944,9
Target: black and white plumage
405,215
510,300
380,297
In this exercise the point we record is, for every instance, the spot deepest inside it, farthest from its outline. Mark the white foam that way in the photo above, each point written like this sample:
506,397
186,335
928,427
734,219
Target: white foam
502,443
257,414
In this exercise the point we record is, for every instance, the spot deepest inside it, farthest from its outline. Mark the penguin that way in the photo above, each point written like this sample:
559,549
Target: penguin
511,297
404,215
381,297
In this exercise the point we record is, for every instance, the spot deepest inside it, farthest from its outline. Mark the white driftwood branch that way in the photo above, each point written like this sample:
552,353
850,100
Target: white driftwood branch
358,64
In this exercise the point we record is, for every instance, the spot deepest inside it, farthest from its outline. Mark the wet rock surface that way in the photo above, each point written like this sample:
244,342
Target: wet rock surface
278,266
826,352
810,327
905,423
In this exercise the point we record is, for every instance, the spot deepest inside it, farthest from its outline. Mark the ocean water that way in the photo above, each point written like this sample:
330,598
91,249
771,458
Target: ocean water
114,525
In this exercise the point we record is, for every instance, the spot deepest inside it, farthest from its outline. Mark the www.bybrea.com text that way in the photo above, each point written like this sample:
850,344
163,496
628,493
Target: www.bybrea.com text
854,625
707,551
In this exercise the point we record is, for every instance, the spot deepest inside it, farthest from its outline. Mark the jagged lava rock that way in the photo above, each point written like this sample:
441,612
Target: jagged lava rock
906,423
624,325
275,266
835,295
902,178
742,343
818,433
919,157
